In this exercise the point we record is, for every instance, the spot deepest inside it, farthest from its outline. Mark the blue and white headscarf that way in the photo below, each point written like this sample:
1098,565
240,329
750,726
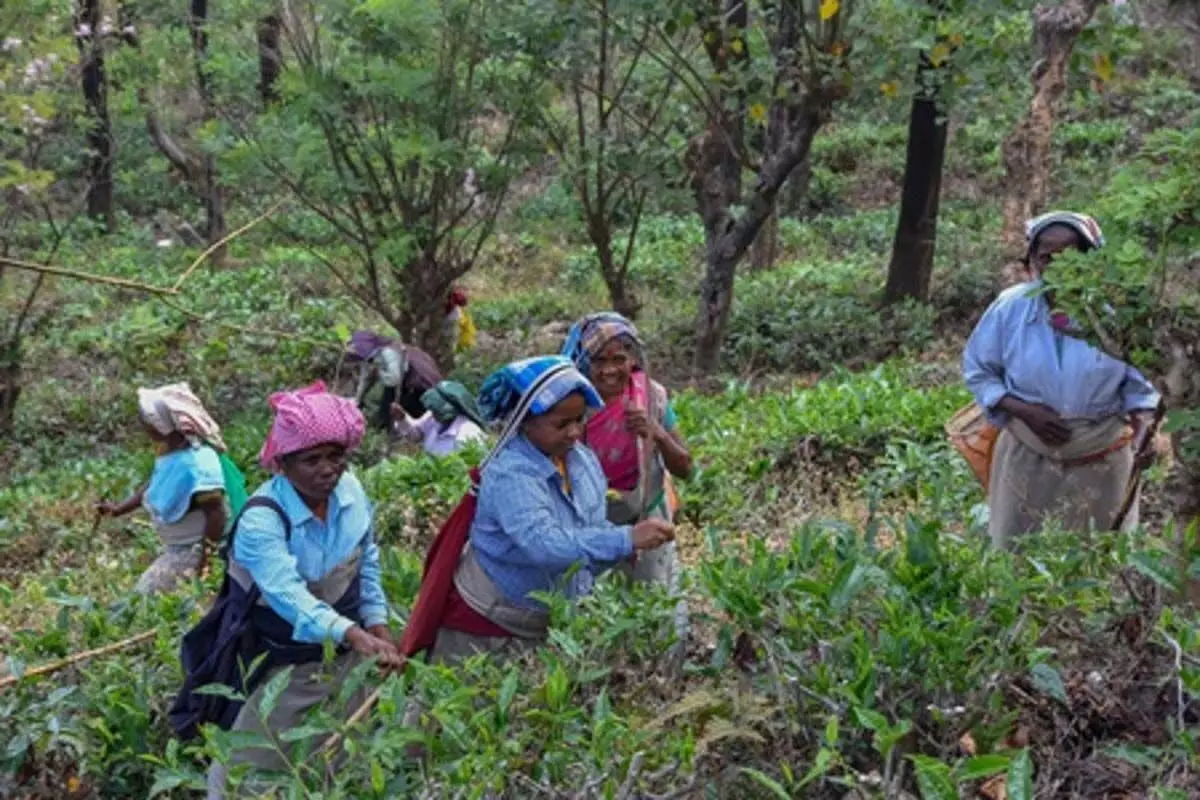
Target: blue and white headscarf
553,377
531,388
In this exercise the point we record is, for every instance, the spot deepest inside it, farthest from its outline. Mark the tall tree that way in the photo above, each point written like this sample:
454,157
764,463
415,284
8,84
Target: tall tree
612,142
1026,150
805,65
916,231
400,131
270,58
195,162
89,36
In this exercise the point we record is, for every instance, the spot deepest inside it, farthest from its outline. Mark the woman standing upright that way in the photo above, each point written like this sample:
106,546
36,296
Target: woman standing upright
637,414
1064,451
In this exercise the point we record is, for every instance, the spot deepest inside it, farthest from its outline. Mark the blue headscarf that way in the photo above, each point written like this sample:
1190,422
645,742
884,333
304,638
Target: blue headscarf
592,333
559,378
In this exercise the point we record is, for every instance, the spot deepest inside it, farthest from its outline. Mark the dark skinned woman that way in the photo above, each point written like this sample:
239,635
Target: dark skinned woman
305,543
637,414
186,495
1064,407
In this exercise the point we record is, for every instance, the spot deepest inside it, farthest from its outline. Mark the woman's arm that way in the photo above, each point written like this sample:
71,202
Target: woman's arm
126,506
675,453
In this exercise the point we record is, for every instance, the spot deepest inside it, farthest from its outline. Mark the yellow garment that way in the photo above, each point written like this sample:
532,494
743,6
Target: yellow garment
561,465
466,331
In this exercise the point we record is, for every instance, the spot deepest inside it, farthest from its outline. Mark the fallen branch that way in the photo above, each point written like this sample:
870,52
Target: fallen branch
223,241
124,283
78,657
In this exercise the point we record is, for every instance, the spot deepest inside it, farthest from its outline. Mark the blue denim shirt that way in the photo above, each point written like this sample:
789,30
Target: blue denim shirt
1015,350
282,569
528,531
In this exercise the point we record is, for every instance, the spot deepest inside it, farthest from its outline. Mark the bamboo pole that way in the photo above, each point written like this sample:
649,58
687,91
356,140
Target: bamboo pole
124,283
78,657
224,240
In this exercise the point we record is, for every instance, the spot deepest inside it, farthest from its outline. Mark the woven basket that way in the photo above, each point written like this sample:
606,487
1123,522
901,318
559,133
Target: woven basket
974,437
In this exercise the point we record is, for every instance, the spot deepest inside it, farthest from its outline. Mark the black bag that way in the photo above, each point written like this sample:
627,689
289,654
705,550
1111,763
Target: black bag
221,647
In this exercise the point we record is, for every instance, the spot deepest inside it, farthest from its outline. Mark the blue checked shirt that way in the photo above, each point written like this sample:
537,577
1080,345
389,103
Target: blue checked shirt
282,570
528,531
1015,350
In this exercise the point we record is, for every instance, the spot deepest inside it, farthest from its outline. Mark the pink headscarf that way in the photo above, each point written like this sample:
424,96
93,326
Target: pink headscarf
309,417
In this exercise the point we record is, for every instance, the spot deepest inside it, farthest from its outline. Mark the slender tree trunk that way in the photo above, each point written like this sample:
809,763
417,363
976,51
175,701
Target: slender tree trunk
270,58
209,185
95,97
766,245
423,312
1026,151
916,232
727,238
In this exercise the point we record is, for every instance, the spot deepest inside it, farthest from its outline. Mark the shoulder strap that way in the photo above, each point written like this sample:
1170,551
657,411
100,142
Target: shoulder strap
257,501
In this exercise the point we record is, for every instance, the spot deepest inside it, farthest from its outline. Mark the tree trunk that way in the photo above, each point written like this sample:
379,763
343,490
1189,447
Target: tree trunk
10,391
622,300
423,312
95,98
916,231
1026,151
214,209
766,245
270,59
727,238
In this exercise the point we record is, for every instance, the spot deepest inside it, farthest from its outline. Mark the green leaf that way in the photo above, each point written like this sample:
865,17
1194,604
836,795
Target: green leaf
820,767
302,732
165,783
272,692
1020,777
982,767
1153,568
934,779
377,777
1047,680
767,782
222,690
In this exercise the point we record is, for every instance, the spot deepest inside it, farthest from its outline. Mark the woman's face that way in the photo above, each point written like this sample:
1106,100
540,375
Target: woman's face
1050,243
315,472
612,368
560,428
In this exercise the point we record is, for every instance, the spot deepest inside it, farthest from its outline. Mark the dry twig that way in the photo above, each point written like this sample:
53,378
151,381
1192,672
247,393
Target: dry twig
78,657
63,272
223,241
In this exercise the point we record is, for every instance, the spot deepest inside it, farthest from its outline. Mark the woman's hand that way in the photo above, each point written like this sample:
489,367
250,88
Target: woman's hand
107,509
1046,423
381,632
650,534
638,422
371,645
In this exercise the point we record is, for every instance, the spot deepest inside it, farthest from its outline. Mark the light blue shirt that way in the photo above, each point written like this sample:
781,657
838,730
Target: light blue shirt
1015,350
177,476
528,532
282,569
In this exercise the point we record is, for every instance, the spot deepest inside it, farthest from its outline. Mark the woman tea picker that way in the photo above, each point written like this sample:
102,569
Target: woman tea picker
405,371
304,565
452,422
539,523
1063,405
189,489
635,431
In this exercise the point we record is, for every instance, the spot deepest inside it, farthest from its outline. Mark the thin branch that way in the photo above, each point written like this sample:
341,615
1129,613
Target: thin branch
223,241
87,276
78,657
